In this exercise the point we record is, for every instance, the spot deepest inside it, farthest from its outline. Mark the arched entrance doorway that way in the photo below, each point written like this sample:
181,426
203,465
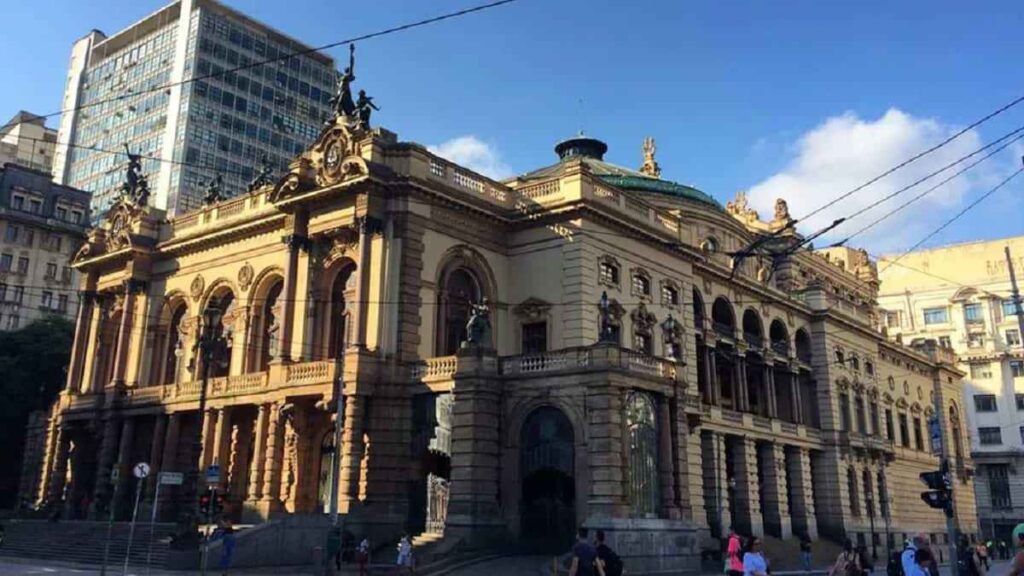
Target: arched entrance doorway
548,505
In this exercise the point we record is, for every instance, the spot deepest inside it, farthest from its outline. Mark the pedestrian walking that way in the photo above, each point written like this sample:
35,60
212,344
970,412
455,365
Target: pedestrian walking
609,560
847,563
754,563
734,554
584,557
363,556
805,552
924,560
225,532
405,554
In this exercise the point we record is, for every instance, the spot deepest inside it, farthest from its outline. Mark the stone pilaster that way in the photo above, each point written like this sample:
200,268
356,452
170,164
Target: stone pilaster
747,507
58,471
351,452
360,311
105,461
770,393
83,329
473,507
739,385
209,424
294,243
666,453
124,453
156,454
270,502
169,461
90,366
798,405
712,365
259,454
805,519
124,333
774,501
221,449
715,481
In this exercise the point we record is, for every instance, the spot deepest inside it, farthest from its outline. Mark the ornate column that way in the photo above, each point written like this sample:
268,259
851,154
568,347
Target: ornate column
57,472
91,361
132,288
666,465
711,373
271,501
258,453
798,474
295,241
366,227
352,449
169,460
772,461
743,453
769,386
209,423
798,405
716,482
156,454
221,448
83,329
140,341
739,396
105,460
124,450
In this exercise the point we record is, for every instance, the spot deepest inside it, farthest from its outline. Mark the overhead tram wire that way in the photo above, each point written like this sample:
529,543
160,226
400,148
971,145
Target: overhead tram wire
891,213
749,250
956,217
285,57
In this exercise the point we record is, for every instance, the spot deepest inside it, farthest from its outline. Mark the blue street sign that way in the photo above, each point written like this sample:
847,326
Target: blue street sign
213,474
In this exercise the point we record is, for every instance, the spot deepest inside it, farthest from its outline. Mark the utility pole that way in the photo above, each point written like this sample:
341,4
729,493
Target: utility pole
210,346
1018,307
946,469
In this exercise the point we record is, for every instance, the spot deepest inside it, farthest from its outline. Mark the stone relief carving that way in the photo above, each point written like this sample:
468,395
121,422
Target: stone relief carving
245,276
197,287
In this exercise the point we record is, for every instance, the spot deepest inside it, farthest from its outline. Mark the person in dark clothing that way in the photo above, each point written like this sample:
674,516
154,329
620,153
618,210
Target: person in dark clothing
584,557
805,553
866,565
609,560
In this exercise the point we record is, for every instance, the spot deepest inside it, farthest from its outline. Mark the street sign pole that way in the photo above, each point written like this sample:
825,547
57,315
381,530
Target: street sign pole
152,525
115,477
131,529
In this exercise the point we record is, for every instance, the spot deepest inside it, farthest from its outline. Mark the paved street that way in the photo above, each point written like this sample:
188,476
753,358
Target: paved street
513,566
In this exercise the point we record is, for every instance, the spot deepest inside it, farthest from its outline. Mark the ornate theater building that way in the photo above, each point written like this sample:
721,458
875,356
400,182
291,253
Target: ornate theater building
573,346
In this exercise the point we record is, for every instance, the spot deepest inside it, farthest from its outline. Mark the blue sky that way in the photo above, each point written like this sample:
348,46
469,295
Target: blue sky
797,98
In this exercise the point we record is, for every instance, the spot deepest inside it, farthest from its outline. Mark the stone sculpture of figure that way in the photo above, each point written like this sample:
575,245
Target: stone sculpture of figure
264,175
604,311
214,192
781,210
479,323
273,339
135,186
343,104
364,107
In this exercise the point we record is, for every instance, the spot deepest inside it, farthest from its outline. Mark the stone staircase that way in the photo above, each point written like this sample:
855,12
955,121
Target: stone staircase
83,542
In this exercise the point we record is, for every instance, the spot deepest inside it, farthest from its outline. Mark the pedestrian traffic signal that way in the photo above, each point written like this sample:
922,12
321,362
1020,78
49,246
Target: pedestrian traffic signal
940,493
211,503
204,503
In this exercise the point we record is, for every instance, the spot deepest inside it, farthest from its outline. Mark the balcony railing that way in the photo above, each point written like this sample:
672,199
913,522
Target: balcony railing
320,372
441,367
723,329
753,340
780,347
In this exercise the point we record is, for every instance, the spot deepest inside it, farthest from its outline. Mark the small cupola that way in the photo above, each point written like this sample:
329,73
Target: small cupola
581,146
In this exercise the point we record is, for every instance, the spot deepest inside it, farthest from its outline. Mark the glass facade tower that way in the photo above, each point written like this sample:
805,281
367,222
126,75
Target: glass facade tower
228,115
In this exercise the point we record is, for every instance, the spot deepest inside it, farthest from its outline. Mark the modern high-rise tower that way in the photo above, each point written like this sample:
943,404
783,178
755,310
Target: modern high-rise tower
223,122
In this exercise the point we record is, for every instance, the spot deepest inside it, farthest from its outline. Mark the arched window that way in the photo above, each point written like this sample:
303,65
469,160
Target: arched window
779,337
338,336
226,302
643,454
698,310
722,318
851,486
174,350
883,495
753,333
803,346
270,326
855,363
840,356
459,288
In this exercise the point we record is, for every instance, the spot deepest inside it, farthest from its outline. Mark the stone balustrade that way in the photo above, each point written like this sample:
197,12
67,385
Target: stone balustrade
306,373
440,368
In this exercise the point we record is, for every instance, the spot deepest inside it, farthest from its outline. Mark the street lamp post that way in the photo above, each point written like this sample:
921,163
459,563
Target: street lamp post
211,345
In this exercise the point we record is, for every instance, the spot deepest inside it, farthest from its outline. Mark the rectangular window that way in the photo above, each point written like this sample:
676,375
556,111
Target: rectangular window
935,316
62,213
990,436
535,337
945,342
18,202
642,343
918,437
1017,368
975,340
862,425
19,295
904,431
47,299
23,265
973,314
981,371
11,235
609,273
1013,337
3,291
873,413
35,206
12,322
65,274
51,271
985,403
1020,401
1009,309
999,485
62,303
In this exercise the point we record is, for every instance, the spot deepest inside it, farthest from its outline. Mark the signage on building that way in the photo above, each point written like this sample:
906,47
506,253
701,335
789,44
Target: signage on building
213,474
935,431
172,478
141,470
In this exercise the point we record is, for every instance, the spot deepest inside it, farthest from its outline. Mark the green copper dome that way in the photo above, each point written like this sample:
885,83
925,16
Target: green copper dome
591,152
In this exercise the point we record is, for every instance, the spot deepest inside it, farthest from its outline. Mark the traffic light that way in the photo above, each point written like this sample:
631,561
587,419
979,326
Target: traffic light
204,503
940,492
218,503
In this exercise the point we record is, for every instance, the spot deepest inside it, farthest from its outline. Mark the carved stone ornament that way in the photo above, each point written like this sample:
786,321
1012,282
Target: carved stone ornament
245,276
532,309
197,287
335,155
642,318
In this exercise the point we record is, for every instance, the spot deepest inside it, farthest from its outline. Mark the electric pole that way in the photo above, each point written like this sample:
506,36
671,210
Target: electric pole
1018,308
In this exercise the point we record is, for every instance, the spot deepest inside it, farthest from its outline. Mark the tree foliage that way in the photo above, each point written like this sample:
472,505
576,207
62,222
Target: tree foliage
33,365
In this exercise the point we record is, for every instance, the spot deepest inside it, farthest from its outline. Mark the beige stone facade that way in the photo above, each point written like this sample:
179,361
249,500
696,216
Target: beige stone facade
631,378
961,295
25,140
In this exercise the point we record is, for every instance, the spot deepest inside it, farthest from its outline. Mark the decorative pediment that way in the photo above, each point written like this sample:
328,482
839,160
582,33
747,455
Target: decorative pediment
532,309
333,158
643,319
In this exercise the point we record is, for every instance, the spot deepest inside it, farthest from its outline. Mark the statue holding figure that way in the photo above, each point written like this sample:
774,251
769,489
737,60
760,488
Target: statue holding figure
364,107
264,175
479,324
344,107
135,186
604,311
214,190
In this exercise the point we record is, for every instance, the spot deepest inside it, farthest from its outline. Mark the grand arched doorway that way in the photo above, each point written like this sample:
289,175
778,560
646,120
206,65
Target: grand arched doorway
548,505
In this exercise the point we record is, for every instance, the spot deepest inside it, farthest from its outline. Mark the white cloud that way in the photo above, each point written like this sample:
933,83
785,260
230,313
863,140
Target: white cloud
475,154
845,151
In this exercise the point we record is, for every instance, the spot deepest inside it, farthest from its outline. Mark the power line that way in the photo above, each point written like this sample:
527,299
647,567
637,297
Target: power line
967,208
285,57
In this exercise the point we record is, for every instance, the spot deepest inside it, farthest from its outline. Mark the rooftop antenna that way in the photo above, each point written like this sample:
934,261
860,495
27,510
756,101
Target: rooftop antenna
580,114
